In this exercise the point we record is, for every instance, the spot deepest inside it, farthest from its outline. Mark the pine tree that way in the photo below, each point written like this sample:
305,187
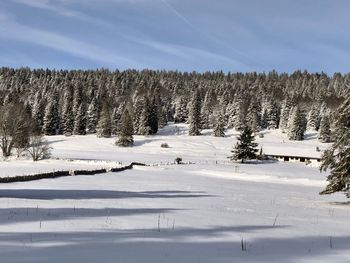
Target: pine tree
325,130
116,118
245,148
104,126
219,130
313,118
297,125
125,136
140,108
285,114
195,115
92,116
144,128
80,121
152,111
253,118
181,111
50,120
272,115
38,111
337,158
67,114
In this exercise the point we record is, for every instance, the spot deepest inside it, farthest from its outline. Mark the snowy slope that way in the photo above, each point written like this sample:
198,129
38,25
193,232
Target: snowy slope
172,213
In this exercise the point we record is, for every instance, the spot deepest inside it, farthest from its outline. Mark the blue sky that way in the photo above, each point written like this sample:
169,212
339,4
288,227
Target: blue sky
185,35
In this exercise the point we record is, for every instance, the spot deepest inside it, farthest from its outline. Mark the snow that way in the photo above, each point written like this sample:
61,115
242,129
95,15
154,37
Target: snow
172,213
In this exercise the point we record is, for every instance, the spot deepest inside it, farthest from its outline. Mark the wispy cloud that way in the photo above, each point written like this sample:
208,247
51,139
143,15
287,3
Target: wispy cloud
62,7
190,53
11,29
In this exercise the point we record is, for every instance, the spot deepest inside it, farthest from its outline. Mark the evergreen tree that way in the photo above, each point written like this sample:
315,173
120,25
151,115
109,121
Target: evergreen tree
219,130
297,125
285,114
92,116
245,148
38,111
80,121
253,118
313,119
116,118
337,158
181,111
125,136
144,128
50,120
325,130
68,117
104,126
195,115
140,109
153,116
272,115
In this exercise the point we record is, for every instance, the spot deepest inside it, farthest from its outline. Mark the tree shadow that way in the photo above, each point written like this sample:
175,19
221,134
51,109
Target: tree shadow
49,194
214,244
16,215
141,142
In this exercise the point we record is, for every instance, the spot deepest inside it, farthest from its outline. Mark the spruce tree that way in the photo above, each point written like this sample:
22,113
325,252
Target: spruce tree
116,118
337,158
49,127
297,125
125,136
67,114
325,130
272,115
245,148
313,118
80,121
219,130
285,114
104,126
152,110
195,115
92,116
253,118
181,111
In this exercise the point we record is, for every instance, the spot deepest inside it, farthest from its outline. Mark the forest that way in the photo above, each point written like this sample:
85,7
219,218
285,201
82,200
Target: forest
94,101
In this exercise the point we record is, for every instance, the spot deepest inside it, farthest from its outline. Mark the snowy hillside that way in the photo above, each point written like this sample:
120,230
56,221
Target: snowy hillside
211,211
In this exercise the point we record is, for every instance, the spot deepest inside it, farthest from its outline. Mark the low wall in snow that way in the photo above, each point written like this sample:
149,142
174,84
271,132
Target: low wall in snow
56,174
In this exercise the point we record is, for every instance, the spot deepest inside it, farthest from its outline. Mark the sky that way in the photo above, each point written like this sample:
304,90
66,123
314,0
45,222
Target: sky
184,35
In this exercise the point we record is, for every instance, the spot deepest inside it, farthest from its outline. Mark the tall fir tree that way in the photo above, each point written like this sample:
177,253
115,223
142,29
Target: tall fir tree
116,118
50,119
195,115
337,158
287,106
92,116
313,118
38,111
181,111
80,120
104,126
219,129
325,129
67,113
297,125
245,148
253,117
125,136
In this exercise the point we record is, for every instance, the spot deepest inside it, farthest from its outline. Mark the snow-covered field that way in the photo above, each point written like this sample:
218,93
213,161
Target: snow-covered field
201,212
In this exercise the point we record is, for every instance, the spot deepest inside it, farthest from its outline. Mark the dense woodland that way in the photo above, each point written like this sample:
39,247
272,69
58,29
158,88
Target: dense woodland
81,102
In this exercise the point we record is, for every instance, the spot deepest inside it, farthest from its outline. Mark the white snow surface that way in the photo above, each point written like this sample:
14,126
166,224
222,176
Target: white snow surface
201,212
